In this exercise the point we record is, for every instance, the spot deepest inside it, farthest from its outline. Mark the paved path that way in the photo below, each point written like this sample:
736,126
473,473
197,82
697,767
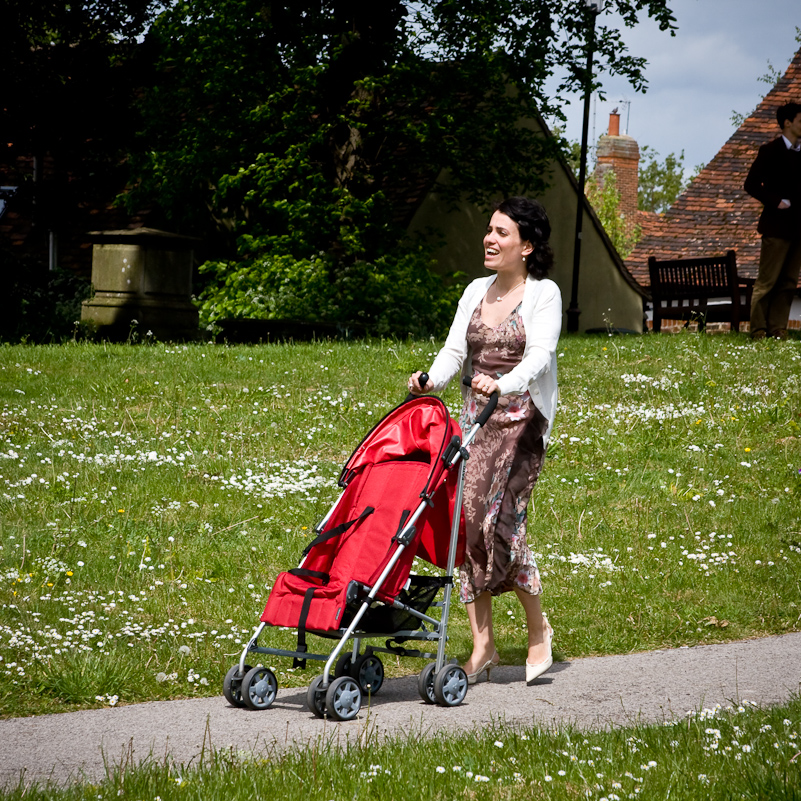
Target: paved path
592,692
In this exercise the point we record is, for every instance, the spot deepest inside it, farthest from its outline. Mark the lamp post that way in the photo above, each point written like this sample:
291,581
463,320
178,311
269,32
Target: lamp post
594,7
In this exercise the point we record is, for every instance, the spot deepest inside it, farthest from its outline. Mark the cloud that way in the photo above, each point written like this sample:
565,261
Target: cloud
699,77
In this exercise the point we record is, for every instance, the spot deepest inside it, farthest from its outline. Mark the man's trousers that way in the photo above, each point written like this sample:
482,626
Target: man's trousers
779,267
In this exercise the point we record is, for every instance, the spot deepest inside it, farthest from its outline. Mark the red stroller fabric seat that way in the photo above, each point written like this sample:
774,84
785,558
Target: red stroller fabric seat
358,554
386,478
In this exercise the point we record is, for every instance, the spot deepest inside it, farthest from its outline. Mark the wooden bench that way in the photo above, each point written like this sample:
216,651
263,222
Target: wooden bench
705,289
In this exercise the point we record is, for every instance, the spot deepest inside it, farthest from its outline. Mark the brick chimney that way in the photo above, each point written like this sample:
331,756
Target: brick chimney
620,154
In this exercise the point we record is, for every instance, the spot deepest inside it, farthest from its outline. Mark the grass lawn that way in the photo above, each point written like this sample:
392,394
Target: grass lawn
149,495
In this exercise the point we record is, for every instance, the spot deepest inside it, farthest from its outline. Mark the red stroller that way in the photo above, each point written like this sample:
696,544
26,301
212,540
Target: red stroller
402,498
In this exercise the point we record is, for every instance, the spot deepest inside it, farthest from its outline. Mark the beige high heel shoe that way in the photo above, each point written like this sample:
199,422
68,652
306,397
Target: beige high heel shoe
533,672
472,678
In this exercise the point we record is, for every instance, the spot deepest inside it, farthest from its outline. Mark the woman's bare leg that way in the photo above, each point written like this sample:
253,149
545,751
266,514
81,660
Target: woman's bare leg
537,644
479,612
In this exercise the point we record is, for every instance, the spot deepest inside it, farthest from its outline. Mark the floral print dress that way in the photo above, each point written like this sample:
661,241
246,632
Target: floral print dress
505,460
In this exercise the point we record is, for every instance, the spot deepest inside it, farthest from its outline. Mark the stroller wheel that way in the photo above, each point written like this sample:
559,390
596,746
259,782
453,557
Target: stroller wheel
259,688
343,699
368,670
425,683
232,685
450,685
343,665
315,697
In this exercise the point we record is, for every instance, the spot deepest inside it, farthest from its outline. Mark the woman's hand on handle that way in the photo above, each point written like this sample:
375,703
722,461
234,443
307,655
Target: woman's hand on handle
413,384
484,384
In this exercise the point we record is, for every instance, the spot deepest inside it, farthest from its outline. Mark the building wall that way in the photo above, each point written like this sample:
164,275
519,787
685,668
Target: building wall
605,297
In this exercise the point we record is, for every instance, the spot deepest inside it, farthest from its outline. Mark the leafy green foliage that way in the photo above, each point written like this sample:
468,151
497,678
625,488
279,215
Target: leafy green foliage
660,182
300,129
371,93
51,22
605,199
40,306
396,295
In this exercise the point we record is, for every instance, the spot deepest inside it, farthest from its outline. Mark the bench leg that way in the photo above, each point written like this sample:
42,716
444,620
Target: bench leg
735,316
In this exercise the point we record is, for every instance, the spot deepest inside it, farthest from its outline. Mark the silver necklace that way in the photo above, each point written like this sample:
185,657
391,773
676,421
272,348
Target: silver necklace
501,297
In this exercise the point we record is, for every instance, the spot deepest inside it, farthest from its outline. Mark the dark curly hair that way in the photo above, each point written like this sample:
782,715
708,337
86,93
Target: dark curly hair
534,227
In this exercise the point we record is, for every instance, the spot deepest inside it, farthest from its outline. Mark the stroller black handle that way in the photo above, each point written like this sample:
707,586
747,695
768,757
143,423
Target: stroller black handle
491,403
423,380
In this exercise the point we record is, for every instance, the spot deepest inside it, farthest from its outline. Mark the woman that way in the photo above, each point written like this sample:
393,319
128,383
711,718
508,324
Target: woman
504,337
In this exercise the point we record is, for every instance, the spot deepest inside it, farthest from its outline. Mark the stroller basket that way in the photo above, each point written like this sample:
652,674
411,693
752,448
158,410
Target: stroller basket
419,595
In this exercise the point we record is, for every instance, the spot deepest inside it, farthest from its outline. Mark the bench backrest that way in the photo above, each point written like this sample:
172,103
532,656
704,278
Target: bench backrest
692,278
681,289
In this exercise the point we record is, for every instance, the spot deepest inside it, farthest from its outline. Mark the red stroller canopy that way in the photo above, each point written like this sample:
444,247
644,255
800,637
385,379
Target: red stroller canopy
420,429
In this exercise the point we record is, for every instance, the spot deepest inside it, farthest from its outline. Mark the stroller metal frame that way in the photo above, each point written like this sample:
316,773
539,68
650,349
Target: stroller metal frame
355,674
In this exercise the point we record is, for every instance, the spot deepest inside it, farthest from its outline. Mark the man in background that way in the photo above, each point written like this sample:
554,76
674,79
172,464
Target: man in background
775,180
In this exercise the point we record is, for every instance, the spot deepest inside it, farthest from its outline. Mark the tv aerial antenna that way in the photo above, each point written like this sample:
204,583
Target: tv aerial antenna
627,104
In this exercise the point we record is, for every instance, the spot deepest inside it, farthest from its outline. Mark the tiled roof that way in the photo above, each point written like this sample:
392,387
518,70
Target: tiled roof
715,214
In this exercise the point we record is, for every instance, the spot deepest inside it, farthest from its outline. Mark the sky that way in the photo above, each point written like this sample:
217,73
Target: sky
696,79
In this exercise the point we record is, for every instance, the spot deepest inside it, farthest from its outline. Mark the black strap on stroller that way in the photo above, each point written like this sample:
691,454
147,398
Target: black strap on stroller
337,530
299,662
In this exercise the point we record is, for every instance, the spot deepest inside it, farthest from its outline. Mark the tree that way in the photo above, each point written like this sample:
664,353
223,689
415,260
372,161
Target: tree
660,182
605,199
68,87
298,129
59,77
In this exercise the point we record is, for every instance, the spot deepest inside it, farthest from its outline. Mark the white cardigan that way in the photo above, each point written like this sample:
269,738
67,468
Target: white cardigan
542,317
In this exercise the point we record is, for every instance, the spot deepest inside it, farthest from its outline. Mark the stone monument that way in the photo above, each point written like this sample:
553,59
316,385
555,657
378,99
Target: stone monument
142,280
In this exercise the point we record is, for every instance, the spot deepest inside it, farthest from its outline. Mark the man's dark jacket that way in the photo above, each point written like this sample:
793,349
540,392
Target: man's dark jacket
774,176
